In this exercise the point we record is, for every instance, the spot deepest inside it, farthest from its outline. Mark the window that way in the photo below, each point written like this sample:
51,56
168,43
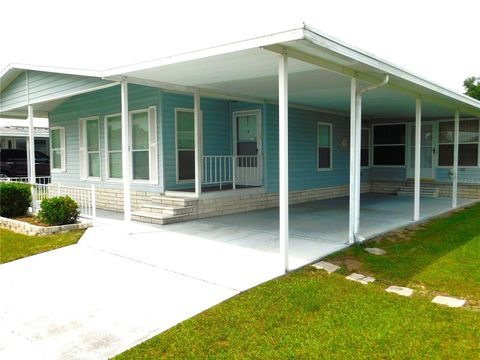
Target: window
90,148
324,146
185,138
140,145
113,125
365,152
57,148
41,145
467,143
389,145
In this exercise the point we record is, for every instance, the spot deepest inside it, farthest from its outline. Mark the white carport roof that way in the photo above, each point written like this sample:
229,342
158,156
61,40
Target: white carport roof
320,68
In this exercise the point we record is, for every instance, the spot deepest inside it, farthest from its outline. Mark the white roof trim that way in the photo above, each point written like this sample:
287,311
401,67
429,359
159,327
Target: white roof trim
52,69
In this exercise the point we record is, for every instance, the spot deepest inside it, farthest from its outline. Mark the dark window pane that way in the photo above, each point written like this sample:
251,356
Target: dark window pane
365,156
247,148
186,165
389,134
323,158
468,155
389,155
445,155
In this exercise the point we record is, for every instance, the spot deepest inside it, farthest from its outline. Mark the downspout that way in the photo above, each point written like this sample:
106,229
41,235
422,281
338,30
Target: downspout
358,146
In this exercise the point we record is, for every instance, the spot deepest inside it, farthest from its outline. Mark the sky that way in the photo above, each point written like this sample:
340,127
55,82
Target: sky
437,40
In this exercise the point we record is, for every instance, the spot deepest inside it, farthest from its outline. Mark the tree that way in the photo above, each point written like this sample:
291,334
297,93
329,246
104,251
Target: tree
472,85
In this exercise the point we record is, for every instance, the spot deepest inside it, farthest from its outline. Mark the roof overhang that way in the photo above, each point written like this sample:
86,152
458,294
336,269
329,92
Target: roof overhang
320,69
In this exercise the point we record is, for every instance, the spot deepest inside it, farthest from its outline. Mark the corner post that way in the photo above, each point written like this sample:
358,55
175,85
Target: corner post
125,152
358,167
351,227
283,156
418,148
455,159
198,142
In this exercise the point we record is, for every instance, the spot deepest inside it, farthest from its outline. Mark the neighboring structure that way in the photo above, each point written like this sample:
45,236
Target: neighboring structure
16,137
289,117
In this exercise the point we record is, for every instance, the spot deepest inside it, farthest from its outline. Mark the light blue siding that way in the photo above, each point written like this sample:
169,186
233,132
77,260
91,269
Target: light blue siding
45,86
467,175
99,103
217,132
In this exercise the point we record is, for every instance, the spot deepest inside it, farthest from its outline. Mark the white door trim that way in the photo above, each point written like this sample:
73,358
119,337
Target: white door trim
409,141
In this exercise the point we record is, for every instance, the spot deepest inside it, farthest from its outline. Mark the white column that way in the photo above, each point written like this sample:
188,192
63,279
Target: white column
125,152
283,156
455,159
418,148
358,152
198,143
31,146
351,226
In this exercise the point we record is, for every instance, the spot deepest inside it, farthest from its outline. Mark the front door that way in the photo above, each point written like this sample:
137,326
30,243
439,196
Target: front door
248,148
427,152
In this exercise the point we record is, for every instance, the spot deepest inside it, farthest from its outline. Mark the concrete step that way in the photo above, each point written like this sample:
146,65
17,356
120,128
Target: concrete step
427,191
160,219
173,200
168,209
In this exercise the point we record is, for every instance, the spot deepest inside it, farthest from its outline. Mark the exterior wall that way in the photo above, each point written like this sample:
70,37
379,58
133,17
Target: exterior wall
217,132
100,103
467,191
43,86
112,199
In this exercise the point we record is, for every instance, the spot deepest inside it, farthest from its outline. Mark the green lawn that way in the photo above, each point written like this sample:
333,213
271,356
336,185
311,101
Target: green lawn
440,257
15,246
309,314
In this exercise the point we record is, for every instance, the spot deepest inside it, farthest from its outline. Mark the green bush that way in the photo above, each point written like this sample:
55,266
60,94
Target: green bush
15,198
60,210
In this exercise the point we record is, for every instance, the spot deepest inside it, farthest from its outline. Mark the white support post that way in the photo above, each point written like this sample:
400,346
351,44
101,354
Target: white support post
125,152
353,93
31,157
31,145
283,156
358,152
455,159
198,143
418,148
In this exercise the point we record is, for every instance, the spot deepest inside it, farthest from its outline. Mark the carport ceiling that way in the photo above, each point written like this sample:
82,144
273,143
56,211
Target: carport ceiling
253,73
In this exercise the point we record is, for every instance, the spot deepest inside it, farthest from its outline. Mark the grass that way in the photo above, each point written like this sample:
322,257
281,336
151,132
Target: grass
15,246
440,257
309,314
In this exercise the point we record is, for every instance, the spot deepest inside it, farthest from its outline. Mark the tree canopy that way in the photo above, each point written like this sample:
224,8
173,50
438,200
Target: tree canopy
472,87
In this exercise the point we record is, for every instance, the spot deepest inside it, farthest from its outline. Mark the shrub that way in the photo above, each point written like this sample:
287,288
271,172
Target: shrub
15,198
60,210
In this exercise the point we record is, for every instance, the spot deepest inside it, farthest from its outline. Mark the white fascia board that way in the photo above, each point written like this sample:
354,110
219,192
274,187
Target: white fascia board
318,38
258,42
51,69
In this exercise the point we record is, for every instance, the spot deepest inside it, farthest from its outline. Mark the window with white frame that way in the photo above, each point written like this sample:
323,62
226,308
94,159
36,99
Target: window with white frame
144,145
468,138
324,146
113,126
185,128
365,151
57,148
90,148
389,145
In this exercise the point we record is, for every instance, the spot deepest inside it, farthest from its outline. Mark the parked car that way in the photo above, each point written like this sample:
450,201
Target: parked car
14,163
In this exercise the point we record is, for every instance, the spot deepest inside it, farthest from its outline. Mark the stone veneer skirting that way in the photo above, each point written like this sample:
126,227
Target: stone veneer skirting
30,229
112,199
467,191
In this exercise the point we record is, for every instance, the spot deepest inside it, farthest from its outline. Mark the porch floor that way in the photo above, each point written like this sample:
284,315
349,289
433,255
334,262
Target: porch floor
317,228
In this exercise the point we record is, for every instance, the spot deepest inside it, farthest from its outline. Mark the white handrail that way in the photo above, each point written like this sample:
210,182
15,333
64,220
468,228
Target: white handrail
242,170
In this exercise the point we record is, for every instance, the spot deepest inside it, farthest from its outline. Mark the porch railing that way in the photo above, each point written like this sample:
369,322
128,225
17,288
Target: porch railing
83,196
25,179
232,170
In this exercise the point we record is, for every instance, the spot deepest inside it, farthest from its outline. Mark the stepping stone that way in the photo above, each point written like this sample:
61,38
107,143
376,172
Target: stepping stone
375,251
362,279
449,301
325,265
399,290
